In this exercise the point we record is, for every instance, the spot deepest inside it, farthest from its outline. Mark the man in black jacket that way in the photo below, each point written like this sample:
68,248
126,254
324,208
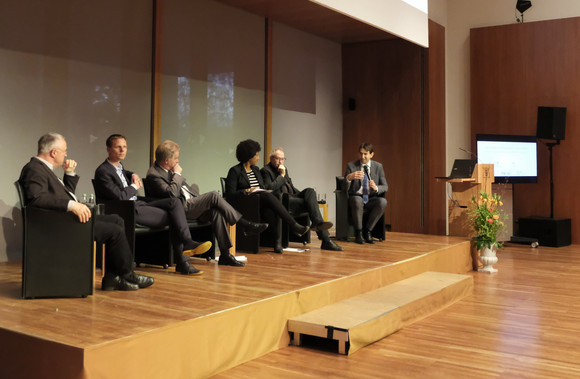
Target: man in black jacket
43,189
113,182
276,178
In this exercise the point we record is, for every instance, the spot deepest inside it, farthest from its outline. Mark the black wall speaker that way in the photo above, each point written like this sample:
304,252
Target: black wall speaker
351,104
551,123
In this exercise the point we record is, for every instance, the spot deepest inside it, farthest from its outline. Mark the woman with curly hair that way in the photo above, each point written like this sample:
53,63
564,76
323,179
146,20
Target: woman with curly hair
245,179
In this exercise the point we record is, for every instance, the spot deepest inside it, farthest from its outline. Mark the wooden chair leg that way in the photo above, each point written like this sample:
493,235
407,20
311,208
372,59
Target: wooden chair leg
233,239
103,263
94,259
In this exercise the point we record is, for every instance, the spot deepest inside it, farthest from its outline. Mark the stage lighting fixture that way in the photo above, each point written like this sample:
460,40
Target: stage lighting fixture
523,5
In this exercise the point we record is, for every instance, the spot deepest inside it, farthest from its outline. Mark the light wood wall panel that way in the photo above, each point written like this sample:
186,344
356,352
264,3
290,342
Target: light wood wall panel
514,69
434,132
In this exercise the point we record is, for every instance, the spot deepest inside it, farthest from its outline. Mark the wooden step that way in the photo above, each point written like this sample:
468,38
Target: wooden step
360,320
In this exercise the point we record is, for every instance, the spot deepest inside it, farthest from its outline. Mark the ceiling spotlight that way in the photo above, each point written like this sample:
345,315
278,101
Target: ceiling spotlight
522,6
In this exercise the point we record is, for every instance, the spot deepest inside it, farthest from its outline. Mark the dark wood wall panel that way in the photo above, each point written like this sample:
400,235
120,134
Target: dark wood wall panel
387,81
384,79
514,69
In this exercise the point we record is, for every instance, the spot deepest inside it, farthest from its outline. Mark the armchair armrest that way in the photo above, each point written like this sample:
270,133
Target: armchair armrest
57,254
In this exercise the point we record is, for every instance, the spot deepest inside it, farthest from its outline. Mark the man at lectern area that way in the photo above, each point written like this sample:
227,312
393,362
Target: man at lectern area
366,186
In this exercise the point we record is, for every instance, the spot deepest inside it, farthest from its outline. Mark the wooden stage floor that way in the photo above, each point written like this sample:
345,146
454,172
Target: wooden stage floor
197,326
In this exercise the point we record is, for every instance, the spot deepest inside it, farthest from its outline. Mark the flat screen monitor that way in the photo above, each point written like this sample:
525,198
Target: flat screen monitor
515,158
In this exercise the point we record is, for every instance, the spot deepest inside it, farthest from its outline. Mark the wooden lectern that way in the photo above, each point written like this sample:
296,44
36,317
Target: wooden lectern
462,192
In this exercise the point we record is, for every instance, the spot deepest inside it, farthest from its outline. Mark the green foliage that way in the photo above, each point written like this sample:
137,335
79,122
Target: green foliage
486,219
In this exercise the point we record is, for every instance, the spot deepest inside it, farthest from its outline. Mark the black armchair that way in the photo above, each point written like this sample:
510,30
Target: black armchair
249,206
148,245
57,259
344,228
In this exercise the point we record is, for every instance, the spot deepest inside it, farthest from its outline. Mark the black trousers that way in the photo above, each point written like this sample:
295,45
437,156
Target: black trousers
269,202
306,200
110,230
212,207
271,210
166,212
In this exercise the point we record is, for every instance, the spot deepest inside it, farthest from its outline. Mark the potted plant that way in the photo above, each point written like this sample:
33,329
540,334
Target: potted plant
486,219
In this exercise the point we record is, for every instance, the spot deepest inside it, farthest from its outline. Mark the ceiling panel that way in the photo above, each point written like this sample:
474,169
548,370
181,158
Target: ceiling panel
312,18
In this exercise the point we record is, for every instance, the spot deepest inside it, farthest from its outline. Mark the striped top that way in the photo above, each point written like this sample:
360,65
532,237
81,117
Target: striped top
253,180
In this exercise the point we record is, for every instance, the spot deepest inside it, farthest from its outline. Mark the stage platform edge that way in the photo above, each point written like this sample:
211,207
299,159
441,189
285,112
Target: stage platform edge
211,344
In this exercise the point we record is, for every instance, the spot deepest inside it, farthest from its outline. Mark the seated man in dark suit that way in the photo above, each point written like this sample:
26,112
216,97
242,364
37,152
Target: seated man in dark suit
113,182
165,180
43,189
366,185
277,179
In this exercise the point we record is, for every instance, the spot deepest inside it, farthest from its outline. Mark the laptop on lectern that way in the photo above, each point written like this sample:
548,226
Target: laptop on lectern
462,169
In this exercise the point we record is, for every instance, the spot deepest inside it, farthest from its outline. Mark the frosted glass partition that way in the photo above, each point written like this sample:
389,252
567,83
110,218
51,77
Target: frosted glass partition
307,109
212,85
81,68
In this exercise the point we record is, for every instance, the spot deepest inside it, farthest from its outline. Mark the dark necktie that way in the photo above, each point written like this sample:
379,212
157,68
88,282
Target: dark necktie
67,191
288,188
366,184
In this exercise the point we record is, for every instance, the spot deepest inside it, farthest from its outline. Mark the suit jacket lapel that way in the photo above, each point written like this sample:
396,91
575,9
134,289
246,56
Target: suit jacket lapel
191,190
57,183
356,184
113,171
244,175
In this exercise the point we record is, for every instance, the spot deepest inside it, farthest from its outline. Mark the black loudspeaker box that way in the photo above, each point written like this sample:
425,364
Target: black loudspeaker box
554,232
551,123
351,104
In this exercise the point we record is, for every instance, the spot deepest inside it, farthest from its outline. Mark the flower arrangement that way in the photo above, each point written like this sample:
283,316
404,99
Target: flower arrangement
485,217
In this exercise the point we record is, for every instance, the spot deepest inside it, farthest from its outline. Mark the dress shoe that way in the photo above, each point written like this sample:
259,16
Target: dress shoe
229,260
299,230
330,245
117,283
187,269
142,281
250,227
195,248
358,237
324,225
367,236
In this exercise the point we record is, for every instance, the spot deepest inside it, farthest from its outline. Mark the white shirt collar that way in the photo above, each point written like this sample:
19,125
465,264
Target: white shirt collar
116,167
50,166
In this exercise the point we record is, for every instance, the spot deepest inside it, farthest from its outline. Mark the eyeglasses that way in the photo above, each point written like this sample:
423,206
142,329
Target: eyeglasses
279,159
